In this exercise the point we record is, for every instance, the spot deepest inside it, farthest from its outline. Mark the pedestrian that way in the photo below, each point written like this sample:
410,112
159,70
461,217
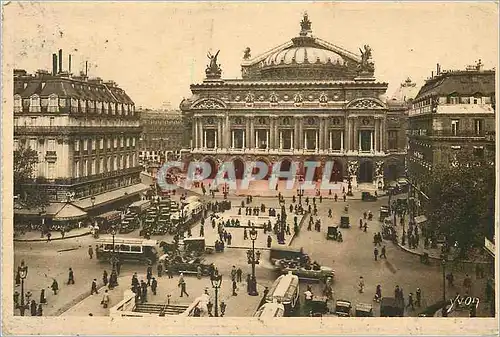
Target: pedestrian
396,292
39,311
360,223
375,253
182,285
144,291
49,235
18,277
233,273
239,274
135,280
361,284
154,285
335,197
235,286
320,199
105,278
410,301
33,308
43,300
330,213
245,234
365,227
378,293
170,272
55,286
105,299
71,277
450,279
418,293
159,268
229,238
345,197
269,241
383,253
467,283
202,231
198,272
149,274
93,288
91,252
308,295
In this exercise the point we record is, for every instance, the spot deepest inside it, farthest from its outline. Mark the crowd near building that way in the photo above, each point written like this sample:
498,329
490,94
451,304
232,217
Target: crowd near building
86,133
305,100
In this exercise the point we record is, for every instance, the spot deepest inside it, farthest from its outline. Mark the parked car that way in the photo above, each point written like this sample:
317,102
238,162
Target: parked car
343,308
367,196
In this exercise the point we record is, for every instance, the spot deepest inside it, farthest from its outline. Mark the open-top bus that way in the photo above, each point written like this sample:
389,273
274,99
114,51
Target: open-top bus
127,249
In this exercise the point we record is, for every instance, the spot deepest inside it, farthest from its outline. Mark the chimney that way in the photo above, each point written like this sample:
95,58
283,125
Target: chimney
438,69
432,74
60,60
54,64
69,63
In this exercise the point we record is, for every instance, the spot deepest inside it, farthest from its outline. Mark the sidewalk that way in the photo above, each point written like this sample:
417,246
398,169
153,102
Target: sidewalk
261,189
34,236
241,305
434,253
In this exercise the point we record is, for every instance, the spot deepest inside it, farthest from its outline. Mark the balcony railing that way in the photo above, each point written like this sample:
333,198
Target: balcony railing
449,133
68,130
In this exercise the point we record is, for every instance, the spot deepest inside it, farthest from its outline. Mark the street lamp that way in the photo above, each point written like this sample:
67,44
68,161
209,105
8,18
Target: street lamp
253,260
349,186
23,272
113,256
216,280
443,264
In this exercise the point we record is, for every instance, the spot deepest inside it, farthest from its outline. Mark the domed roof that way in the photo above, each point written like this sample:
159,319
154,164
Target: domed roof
303,55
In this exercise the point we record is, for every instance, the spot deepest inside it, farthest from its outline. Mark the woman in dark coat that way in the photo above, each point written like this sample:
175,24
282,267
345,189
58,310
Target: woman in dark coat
33,308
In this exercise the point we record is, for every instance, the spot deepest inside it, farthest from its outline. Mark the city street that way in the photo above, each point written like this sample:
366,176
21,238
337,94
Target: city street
350,259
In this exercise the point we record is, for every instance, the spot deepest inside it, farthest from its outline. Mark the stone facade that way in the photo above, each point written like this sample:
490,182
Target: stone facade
305,100
453,110
85,131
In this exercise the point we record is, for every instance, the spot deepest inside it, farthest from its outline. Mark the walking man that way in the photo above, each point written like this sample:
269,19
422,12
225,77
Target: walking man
235,286
149,274
410,301
71,277
239,274
382,255
144,291
375,252
105,278
105,299
94,287
182,285
55,287
91,252
419,297
154,285
159,268
233,274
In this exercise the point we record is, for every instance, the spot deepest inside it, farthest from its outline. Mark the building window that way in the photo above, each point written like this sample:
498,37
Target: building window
453,100
94,168
93,144
51,170
454,127
128,141
85,167
51,121
101,165
121,142
109,143
133,141
108,164
85,144
478,127
53,103
18,103
77,145
35,103
33,144
115,141
392,140
77,169
51,145
16,144
101,143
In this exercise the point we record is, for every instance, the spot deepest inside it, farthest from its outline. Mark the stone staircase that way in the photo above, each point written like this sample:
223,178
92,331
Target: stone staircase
153,308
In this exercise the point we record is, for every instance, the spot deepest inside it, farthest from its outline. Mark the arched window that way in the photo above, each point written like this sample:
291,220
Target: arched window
35,103
53,103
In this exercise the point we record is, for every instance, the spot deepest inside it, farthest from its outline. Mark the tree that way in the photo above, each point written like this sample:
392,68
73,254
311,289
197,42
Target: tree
461,200
25,161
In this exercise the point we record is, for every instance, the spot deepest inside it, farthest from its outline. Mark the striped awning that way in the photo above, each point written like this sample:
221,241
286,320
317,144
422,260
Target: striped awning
68,213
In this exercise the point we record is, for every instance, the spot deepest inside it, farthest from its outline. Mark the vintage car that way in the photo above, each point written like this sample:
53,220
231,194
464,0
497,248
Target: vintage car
303,273
364,310
367,196
343,308
332,233
344,222
185,264
384,213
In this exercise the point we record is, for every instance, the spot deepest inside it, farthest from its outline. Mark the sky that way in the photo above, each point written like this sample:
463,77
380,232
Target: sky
154,51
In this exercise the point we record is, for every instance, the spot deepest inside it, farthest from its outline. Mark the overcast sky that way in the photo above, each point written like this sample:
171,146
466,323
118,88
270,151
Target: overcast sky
156,50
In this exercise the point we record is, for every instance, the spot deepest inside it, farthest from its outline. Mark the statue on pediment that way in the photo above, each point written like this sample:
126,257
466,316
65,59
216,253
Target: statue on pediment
247,53
366,64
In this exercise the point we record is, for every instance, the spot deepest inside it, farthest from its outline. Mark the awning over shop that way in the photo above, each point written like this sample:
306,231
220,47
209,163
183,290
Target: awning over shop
420,219
111,196
48,211
111,216
68,213
489,247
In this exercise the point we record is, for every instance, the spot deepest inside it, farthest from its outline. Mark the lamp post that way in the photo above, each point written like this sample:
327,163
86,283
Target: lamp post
113,256
253,260
216,280
23,272
349,185
443,264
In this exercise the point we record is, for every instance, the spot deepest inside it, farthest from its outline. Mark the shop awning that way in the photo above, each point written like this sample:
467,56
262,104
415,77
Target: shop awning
420,219
111,216
68,213
111,196
48,211
489,247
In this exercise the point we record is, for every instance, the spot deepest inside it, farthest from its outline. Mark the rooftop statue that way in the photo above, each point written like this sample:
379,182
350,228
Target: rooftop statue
213,70
366,64
247,54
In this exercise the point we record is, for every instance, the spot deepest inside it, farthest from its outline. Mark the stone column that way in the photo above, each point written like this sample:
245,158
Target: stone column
348,133
252,132
326,135
321,133
372,141
276,134
219,132
270,144
356,146
301,133
296,133
342,141
228,132
376,132
385,144
195,132
200,132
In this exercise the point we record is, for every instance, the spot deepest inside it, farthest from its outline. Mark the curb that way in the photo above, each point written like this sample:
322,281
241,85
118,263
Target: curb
78,300
438,258
55,239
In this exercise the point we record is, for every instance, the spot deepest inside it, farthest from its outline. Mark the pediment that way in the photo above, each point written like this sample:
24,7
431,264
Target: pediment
365,103
208,104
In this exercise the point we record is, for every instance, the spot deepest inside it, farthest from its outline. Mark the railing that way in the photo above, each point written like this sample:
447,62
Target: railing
66,130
